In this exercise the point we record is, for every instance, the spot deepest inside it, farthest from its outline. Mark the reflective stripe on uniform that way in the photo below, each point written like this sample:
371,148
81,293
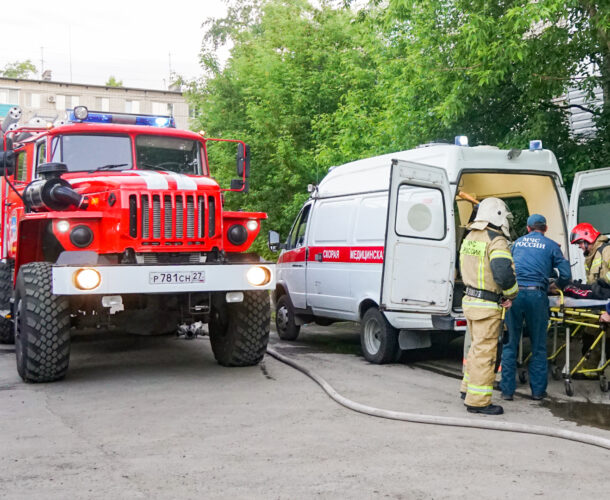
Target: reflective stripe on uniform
479,303
480,389
500,254
512,290
608,276
596,262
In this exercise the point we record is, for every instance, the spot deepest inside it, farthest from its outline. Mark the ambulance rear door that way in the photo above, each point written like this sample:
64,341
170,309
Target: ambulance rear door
589,202
419,260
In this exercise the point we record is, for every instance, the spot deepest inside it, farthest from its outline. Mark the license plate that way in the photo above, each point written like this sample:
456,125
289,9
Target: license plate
176,278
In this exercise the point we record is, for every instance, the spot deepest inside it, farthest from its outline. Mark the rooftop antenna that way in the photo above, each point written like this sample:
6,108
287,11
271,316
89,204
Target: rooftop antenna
170,68
70,49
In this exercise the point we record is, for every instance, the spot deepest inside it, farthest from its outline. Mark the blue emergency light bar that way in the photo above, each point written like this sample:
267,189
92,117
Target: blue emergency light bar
82,114
461,140
536,145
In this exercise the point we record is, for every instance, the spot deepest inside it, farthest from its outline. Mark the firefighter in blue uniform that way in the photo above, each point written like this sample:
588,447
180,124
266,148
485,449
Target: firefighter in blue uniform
535,257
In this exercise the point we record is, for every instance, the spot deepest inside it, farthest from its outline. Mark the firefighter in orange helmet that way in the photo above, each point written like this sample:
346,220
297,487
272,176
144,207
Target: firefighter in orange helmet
488,272
596,249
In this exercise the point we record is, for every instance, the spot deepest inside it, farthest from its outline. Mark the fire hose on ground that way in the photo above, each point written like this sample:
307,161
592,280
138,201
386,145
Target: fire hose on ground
578,437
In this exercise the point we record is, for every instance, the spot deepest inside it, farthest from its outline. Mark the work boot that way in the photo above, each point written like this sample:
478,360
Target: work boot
462,395
486,410
507,397
538,397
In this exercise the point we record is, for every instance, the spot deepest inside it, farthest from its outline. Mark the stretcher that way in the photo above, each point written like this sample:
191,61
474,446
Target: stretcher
572,316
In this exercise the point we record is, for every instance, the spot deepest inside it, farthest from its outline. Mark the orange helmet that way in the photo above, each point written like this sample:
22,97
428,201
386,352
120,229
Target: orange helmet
583,232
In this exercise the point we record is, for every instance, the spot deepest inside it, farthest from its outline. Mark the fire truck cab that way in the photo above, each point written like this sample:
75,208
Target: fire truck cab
113,221
378,240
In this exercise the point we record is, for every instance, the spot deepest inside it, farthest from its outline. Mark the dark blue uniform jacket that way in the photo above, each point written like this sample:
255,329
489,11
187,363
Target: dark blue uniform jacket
535,257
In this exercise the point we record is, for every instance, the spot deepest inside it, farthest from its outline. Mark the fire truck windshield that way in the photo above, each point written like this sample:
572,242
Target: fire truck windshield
88,152
175,154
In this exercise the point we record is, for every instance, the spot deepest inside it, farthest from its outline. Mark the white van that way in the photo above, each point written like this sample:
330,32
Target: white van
377,241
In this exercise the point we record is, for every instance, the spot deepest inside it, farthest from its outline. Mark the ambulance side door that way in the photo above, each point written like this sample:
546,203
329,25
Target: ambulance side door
589,202
418,271
328,266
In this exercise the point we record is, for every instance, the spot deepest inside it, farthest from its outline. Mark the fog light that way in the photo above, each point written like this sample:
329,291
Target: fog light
63,226
233,297
81,236
252,225
237,234
87,278
258,276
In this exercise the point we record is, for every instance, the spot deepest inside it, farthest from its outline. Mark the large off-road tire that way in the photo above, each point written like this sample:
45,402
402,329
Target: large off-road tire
239,332
7,330
378,339
287,329
42,326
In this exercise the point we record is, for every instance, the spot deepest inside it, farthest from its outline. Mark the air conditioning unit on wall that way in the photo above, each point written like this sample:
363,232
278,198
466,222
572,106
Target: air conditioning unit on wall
51,98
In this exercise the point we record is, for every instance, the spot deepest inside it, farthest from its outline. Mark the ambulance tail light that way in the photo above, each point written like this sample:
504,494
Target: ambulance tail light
460,322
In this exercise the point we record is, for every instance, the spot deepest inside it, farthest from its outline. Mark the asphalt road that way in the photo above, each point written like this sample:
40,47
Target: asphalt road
156,417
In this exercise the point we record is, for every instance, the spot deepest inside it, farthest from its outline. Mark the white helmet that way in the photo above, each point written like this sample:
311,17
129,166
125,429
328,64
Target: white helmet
493,211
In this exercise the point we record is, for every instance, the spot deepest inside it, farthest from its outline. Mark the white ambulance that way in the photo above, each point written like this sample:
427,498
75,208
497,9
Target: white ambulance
377,241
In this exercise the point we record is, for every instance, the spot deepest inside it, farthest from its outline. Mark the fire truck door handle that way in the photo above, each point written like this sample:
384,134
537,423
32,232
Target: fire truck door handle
319,257
298,265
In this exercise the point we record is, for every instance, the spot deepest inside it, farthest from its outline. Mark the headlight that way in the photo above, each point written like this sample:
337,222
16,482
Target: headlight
63,226
258,276
87,278
81,236
252,225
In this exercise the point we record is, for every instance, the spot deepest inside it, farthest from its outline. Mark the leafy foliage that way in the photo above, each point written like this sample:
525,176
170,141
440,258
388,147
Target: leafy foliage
18,69
313,86
113,82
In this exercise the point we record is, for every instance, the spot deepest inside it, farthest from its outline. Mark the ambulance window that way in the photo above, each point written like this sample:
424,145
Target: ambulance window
297,237
420,213
593,207
332,221
370,223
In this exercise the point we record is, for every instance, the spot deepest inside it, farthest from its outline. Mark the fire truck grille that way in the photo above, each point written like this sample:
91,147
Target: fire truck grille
171,219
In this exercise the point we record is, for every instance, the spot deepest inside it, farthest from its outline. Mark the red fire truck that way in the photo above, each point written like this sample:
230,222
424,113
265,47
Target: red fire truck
113,221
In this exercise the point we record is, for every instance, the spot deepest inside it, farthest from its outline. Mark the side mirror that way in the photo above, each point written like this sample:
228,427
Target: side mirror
7,162
273,241
243,160
238,184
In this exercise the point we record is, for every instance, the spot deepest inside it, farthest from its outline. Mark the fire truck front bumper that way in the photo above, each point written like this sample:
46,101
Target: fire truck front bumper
142,279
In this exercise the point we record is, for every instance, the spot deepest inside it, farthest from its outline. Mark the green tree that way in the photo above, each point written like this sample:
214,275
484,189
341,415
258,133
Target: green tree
493,70
113,82
287,70
18,69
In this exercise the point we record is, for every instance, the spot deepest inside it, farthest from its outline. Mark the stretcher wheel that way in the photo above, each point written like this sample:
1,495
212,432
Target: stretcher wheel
569,388
522,376
556,373
603,383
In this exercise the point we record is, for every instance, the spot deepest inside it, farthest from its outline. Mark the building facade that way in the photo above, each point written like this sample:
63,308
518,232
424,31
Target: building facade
49,100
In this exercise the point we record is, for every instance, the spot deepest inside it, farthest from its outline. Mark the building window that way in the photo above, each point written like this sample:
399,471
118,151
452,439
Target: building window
34,101
60,102
160,108
63,102
9,96
102,104
132,106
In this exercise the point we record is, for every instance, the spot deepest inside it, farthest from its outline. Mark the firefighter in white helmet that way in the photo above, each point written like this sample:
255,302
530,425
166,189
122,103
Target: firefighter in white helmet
488,272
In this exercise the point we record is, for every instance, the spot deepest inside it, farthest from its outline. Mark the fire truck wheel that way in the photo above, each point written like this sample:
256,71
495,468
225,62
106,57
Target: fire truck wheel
287,329
378,339
7,330
239,332
42,326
